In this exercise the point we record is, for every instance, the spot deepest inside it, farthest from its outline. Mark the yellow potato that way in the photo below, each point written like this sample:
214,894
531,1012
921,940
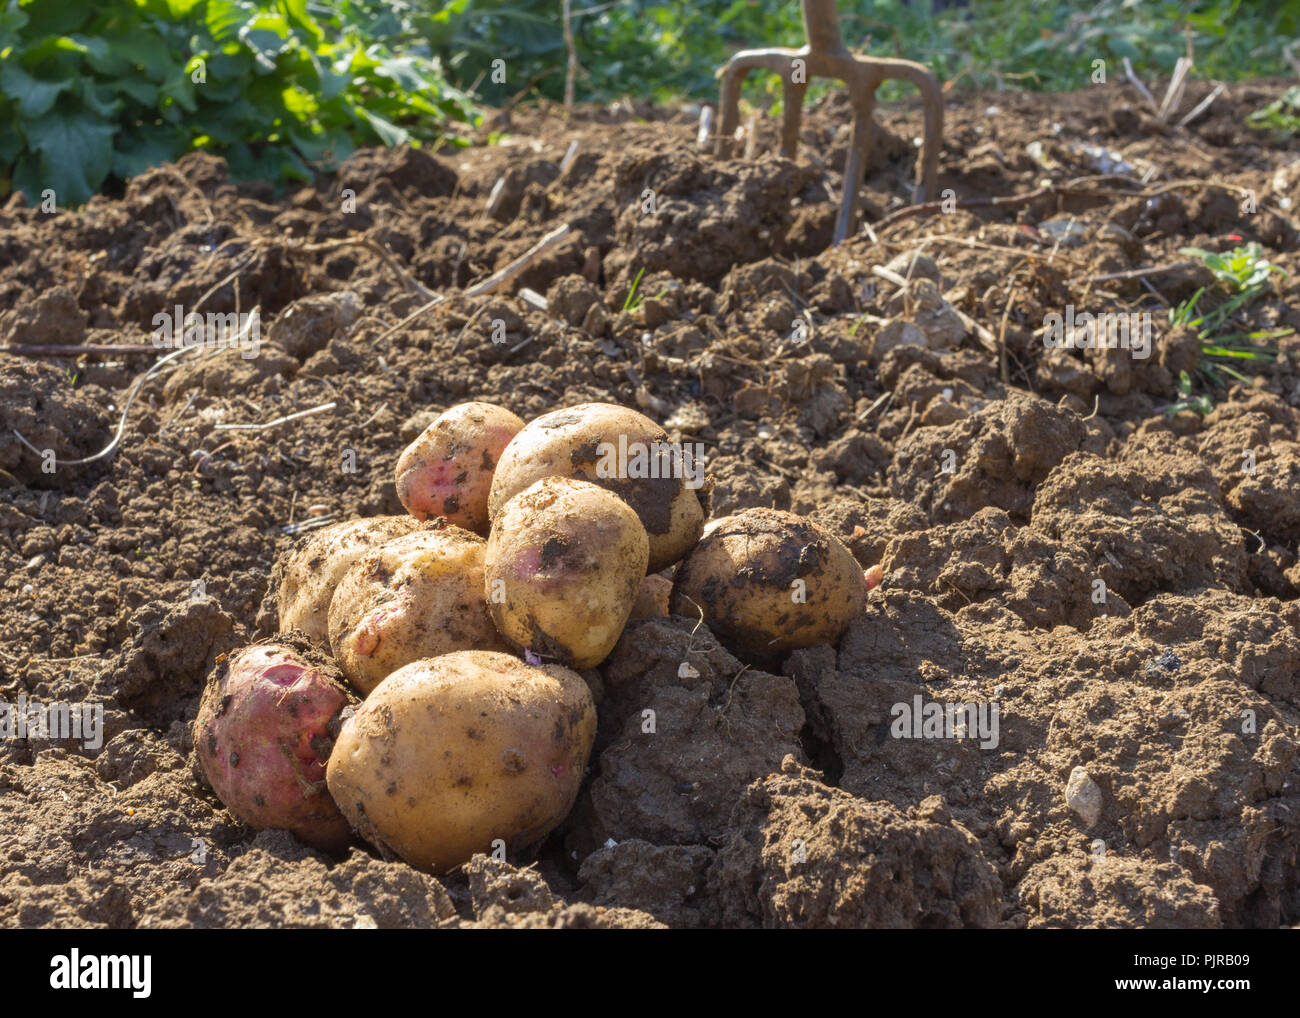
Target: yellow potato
452,753
564,563
620,450
415,597
311,571
768,582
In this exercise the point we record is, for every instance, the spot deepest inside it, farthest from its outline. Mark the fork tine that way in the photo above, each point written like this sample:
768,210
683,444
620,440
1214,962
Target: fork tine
729,108
791,113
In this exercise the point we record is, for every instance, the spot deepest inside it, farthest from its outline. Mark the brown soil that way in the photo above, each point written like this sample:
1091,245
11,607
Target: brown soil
997,509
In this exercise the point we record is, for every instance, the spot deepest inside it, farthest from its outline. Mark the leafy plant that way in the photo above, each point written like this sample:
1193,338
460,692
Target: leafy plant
1243,269
1188,399
93,92
1282,116
664,49
1224,347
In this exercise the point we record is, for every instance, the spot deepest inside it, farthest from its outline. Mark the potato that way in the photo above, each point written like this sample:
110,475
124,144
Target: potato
564,564
652,598
264,731
618,449
415,597
311,571
769,582
448,470
452,753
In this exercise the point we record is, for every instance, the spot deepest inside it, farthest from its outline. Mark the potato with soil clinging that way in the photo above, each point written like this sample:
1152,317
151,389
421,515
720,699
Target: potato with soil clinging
417,596
311,571
769,582
448,470
564,565
620,450
263,735
451,753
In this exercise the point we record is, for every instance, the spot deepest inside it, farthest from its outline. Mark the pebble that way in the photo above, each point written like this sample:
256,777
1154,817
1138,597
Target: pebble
1083,795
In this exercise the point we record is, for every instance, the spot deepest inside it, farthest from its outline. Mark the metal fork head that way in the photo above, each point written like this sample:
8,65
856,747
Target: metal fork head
825,56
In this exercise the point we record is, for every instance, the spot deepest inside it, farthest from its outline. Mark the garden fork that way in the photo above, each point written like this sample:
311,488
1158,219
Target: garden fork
825,56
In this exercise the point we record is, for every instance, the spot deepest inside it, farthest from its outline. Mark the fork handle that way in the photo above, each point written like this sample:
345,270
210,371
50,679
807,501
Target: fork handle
821,25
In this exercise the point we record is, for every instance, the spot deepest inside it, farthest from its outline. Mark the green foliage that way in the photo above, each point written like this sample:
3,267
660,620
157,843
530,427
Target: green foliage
1281,116
669,48
1241,269
93,91
1244,273
633,301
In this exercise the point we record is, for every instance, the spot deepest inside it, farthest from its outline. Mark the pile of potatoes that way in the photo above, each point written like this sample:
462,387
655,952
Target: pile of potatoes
424,691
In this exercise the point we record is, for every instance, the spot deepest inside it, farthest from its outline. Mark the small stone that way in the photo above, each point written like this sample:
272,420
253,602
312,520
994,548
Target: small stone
1083,796
896,333
916,265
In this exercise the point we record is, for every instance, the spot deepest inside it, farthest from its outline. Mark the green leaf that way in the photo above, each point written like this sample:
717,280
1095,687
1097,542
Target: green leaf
295,11
148,146
11,143
389,133
48,18
95,98
33,97
76,151
403,71
224,19
328,148
138,89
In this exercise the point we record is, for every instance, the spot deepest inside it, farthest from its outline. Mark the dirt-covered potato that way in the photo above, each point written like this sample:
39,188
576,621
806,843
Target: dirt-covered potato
452,753
417,596
564,564
618,449
448,470
264,732
769,582
311,571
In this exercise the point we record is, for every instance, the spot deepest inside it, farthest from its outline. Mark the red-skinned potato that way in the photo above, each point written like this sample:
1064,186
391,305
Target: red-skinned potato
448,470
769,582
418,596
450,754
563,567
620,450
311,571
263,735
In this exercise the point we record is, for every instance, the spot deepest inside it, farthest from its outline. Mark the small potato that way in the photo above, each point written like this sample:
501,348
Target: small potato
415,597
563,567
769,582
264,732
452,753
311,571
652,598
448,470
620,450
